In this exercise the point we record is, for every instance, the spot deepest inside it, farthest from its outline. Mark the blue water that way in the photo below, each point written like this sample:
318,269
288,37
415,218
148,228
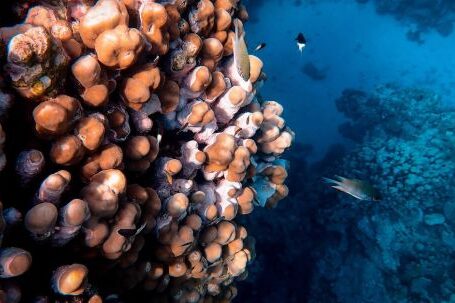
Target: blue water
358,49
323,246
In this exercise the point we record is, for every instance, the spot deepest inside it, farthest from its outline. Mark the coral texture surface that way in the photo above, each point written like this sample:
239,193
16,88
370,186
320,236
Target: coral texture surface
131,138
401,248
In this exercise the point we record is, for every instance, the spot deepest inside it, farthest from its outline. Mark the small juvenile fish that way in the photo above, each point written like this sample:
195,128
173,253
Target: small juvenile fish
301,42
131,232
260,46
359,189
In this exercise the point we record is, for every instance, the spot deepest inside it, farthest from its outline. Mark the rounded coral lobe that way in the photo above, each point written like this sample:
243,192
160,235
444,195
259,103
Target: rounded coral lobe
131,139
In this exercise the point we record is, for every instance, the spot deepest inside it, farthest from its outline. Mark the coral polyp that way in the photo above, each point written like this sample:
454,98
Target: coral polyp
129,145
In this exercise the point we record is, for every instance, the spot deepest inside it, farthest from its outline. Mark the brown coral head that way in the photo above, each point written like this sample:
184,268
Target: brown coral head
199,79
96,95
14,262
201,113
54,117
256,66
216,87
169,96
67,150
154,25
53,186
120,47
177,268
70,280
87,70
75,212
135,93
105,15
212,52
40,220
202,17
90,131
101,199
113,178
220,153
177,205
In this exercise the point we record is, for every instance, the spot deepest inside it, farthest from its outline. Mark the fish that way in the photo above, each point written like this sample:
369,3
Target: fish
301,42
131,232
260,46
241,57
359,189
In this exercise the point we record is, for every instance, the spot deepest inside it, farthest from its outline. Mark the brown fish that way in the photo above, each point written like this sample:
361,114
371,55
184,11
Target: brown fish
241,57
359,189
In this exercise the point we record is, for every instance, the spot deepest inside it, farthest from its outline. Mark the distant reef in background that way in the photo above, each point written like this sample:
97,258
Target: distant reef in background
423,15
334,248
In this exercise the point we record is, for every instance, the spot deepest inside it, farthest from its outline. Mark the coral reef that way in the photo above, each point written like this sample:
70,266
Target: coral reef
134,142
399,249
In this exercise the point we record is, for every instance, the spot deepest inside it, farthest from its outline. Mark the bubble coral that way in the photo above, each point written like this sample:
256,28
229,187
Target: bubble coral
139,152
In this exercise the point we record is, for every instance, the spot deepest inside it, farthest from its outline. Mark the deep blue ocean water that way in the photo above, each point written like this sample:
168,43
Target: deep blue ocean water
385,70
354,47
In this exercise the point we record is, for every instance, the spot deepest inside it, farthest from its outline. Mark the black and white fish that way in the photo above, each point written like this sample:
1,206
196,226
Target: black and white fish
301,42
131,232
260,46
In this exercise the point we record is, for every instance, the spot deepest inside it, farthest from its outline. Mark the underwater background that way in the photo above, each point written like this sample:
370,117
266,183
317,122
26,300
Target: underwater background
370,98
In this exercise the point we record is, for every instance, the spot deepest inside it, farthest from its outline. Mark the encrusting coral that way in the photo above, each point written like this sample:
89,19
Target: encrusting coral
134,140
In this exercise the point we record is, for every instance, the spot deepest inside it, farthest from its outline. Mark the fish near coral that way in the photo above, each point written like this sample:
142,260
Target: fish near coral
241,57
359,189
237,68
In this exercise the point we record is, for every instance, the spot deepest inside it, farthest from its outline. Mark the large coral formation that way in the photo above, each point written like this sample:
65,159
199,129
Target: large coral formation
130,149
399,249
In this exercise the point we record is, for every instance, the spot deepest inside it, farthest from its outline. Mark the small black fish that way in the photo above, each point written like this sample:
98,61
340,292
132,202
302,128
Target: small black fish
301,42
131,232
260,46
127,232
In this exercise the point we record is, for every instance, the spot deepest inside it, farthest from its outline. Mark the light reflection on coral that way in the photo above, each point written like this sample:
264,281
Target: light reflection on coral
132,144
